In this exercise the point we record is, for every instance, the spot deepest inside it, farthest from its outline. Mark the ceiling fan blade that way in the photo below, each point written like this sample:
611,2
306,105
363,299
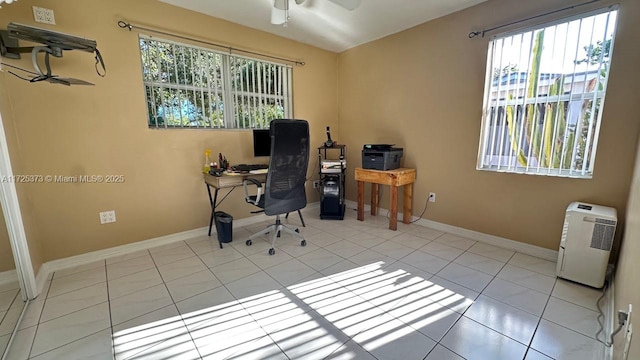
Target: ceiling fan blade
347,4
278,16
281,4
299,2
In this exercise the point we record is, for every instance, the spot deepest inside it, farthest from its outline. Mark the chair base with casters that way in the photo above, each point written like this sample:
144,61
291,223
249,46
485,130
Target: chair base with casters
276,230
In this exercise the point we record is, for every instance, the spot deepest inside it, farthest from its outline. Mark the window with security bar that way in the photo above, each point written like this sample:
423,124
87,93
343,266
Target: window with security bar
544,95
198,88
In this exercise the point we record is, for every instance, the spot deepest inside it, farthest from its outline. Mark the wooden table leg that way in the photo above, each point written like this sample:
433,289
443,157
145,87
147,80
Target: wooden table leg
408,196
393,204
374,198
361,200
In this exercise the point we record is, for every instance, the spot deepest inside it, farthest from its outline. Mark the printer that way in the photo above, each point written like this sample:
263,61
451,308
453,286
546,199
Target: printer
381,157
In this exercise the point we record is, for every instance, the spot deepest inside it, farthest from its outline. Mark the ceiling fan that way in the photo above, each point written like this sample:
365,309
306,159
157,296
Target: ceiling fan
280,10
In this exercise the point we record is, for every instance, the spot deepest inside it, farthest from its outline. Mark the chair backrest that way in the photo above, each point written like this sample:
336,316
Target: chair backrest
285,190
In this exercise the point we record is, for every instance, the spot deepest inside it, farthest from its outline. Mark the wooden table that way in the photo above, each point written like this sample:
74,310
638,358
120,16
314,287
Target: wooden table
394,178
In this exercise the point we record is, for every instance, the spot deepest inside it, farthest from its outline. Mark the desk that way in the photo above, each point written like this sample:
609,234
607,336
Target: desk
226,181
394,178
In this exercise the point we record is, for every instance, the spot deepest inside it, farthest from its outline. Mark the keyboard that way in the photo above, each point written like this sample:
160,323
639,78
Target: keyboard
249,167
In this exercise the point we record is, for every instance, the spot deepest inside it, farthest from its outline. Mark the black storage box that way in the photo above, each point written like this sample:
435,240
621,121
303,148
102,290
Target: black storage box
224,226
381,157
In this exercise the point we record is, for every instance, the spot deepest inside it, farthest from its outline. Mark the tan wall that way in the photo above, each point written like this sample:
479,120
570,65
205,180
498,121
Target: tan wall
103,129
6,255
422,90
628,268
26,208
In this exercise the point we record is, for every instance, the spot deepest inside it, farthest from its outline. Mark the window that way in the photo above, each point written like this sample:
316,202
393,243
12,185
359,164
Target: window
192,87
544,95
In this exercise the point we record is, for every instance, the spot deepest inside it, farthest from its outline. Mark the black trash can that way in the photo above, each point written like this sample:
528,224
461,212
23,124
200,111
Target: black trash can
224,226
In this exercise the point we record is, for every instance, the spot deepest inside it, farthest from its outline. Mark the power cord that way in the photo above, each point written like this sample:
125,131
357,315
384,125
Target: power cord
622,319
426,204
411,222
314,170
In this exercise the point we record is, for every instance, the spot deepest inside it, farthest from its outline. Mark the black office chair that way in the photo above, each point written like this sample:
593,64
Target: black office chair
284,190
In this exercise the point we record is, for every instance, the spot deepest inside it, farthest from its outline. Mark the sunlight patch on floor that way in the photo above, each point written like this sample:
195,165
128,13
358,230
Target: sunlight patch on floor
311,319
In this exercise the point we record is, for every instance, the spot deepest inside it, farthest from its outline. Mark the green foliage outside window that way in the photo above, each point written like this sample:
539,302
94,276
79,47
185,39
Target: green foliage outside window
188,87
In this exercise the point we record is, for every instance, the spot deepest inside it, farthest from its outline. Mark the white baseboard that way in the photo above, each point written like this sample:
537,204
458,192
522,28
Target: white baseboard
8,277
51,266
520,247
41,278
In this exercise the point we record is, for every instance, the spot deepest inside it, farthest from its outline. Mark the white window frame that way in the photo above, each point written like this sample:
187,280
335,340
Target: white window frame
496,134
232,97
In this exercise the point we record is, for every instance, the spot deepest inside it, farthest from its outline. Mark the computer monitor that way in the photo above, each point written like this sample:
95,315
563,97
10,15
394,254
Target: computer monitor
261,142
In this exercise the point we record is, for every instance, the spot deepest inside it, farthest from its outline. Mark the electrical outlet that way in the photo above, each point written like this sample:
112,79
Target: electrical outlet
628,323
43,15
107,217
628,333
317,183
627,343
432,197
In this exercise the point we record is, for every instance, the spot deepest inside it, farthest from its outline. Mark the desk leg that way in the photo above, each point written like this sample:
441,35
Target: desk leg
361,200
213,202
408,196
213,208
374,198
393,204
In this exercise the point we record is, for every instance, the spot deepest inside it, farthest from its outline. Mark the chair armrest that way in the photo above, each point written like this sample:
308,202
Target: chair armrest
247,198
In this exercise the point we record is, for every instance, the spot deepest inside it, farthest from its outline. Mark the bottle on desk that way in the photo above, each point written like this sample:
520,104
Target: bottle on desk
207,162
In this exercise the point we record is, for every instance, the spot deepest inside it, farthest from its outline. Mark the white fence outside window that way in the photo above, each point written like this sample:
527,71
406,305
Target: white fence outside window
544,94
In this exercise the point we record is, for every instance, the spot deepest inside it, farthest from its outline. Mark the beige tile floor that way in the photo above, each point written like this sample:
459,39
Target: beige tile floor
11,306
356,291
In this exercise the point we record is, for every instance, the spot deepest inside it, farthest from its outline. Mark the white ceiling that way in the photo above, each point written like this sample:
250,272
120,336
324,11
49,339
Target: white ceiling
326,25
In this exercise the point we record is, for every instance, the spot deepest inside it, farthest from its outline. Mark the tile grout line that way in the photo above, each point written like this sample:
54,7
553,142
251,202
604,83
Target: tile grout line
349,338
71,342
44,302
147,313
570,329
398,301
175,306
539,321
243,306
467,309
113,343
385,240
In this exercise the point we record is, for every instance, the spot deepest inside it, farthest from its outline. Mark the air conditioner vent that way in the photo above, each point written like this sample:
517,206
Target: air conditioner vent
603,232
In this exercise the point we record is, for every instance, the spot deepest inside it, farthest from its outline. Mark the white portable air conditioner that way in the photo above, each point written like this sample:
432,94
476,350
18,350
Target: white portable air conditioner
587,237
